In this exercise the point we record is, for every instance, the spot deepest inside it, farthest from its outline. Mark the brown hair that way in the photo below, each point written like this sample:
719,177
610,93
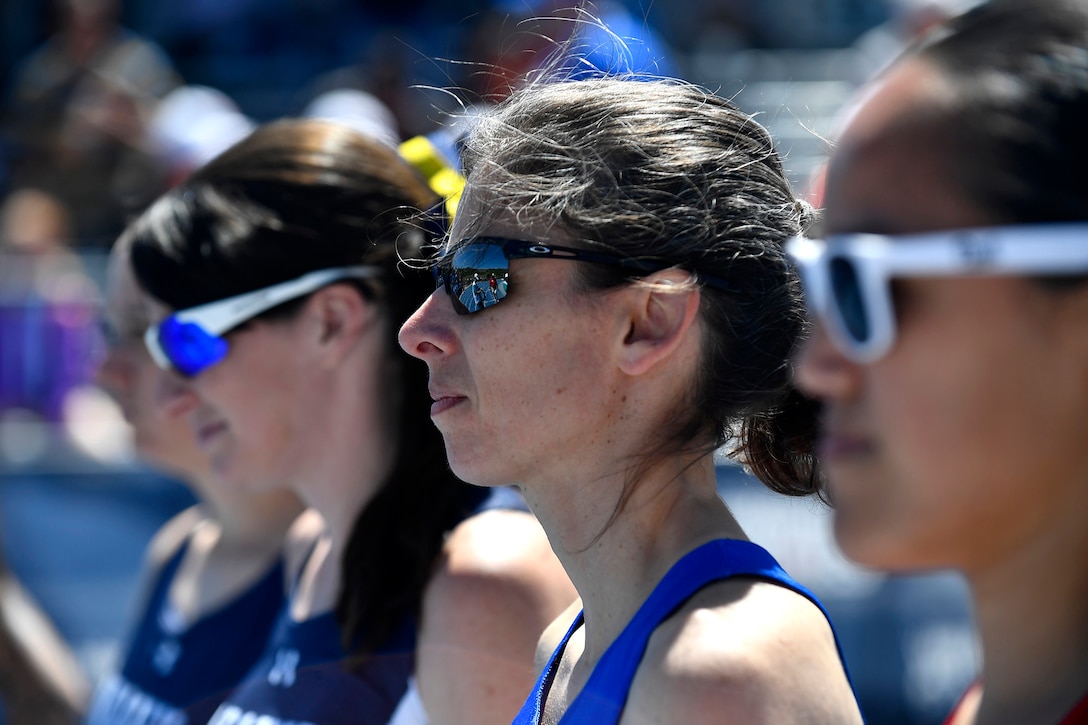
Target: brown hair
666,171
298,196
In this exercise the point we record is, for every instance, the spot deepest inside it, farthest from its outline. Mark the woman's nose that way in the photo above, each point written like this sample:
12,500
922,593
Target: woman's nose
427,332
115,372
821,371
174,394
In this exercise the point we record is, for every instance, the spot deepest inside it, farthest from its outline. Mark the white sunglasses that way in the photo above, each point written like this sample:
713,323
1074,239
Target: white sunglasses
847,278
191,340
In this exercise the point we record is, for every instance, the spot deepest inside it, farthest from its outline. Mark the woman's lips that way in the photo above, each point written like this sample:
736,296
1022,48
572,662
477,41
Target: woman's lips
209,431
444,403
839,446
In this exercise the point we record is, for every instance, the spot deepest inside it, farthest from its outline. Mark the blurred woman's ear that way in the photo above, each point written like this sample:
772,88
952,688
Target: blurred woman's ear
340,316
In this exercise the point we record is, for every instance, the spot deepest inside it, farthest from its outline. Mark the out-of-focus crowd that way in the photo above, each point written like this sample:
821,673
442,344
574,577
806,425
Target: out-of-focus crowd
107,104
103,117
99,118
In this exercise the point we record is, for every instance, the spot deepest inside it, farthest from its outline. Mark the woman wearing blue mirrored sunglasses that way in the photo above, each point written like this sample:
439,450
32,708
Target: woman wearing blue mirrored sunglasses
951,354
281,268
214,571
614,304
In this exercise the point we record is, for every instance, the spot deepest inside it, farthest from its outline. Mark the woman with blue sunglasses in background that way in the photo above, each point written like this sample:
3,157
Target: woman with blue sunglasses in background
602,386
280,263
215,572
951,354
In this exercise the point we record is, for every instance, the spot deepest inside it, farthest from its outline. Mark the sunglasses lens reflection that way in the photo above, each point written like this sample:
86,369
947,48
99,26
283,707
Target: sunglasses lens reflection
477,277
846,289
189,347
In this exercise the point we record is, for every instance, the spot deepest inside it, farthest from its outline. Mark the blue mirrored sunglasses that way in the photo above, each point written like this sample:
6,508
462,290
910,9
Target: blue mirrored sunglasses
476,274
847,278
191,340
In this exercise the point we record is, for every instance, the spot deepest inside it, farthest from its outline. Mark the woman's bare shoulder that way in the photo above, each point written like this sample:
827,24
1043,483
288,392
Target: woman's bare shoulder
496,587
171,535
758,650
497,538
300,540
500,557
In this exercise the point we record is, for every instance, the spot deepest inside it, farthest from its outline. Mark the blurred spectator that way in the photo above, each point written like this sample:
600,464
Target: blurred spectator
77,106
407,66
358,109
190,127
519,37
260,52
48,336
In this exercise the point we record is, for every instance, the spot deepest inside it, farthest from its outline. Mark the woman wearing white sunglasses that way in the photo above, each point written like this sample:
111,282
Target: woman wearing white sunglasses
602,385
951,354
280,268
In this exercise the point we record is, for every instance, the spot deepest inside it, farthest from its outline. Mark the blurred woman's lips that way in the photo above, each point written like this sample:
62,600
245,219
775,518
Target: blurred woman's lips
837,446
206,432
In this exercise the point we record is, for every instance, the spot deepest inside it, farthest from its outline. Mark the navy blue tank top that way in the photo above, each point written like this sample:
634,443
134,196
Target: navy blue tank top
602,699
175,674
306,678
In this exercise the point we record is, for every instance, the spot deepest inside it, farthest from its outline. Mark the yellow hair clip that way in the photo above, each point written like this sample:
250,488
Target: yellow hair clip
446,181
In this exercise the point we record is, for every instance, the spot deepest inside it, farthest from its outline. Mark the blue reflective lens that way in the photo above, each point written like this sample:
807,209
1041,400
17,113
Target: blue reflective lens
189,347
481,272
475,277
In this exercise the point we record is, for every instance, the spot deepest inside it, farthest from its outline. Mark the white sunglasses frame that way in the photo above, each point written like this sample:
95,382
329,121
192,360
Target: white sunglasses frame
222,315
1020,250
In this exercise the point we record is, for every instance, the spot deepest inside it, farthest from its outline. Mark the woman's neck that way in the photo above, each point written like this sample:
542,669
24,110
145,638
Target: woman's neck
339,497
230,548
353,447
1030,616
250,521
615,564
352,444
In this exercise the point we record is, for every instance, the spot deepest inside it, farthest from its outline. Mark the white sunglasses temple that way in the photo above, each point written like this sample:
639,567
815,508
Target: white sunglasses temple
221,315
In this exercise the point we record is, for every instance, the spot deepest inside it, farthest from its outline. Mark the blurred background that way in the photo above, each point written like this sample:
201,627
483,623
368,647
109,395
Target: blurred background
107,103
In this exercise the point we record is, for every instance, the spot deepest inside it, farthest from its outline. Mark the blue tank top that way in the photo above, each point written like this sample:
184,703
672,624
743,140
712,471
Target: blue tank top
176,674
306,678
602,699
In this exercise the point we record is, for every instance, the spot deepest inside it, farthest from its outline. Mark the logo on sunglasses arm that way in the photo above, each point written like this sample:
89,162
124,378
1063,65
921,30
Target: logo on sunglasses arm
977,249
251,303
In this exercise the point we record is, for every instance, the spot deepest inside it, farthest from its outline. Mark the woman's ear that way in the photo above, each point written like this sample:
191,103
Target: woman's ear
340,315
663,312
